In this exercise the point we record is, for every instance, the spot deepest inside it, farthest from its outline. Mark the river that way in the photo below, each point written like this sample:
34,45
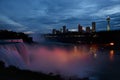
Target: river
91,61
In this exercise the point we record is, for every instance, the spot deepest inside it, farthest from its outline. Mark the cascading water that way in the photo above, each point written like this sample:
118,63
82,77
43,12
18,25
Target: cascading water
14,54
67,60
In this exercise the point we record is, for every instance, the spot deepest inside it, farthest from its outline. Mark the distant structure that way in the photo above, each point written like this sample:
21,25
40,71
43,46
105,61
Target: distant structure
80,28
108,23
87,35
93,26
67,30
88,29
54,31
64,29
61,30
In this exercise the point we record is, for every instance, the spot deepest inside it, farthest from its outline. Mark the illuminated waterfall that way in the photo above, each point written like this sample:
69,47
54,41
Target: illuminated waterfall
14,54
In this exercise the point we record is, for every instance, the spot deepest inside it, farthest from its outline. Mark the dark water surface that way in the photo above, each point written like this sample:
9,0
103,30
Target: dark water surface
81,61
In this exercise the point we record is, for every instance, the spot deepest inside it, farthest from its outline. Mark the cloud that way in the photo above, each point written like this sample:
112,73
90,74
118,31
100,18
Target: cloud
42,15
108,11
118,25
115,0
7,23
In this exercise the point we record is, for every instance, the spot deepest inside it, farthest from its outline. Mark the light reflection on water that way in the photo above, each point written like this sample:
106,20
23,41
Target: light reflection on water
74,60
112,53
68,60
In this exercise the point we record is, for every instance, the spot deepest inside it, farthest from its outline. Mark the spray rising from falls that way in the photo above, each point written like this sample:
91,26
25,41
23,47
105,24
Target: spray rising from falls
64,60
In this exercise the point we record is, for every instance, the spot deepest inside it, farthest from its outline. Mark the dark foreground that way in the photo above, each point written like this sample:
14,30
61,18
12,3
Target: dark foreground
13,73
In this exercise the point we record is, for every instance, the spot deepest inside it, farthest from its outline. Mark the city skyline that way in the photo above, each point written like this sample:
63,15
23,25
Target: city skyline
42,16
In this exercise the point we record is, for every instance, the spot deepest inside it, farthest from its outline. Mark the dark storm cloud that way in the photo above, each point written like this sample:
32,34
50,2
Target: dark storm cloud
43,15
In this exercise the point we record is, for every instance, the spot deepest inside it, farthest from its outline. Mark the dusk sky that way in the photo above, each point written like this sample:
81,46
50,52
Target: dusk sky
43,15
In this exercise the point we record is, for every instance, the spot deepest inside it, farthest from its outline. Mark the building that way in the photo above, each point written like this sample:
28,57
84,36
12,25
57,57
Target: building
93,26
64,29
80,28
108,23
88,29
54,31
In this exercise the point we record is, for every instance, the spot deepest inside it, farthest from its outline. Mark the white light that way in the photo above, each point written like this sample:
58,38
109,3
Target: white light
111,43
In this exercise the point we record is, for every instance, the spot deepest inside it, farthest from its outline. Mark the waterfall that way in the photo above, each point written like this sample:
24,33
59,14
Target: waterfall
69,60
14,54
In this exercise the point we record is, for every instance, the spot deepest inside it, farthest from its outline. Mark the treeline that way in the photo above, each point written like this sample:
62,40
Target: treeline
5,34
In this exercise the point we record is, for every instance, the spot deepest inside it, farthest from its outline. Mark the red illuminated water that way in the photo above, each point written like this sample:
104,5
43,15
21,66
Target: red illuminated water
68,60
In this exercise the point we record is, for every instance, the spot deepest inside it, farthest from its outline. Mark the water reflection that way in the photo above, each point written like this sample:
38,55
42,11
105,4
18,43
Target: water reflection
93,50
78,60
112,55
67,60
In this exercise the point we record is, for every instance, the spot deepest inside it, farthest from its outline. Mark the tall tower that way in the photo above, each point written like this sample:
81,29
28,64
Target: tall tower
64,29
79,28
93,26
108,23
